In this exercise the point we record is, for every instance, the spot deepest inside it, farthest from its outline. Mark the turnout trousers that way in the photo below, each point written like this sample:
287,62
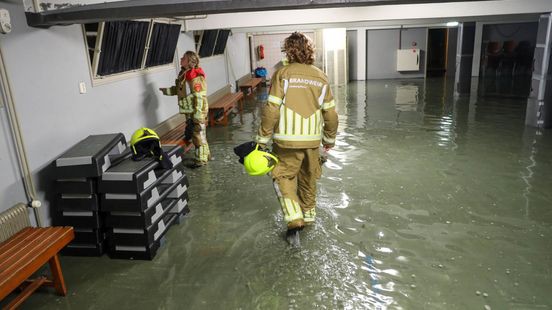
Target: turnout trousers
294,179
199,139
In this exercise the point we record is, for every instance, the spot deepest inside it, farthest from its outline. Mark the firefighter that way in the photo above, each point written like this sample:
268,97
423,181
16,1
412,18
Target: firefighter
299,115
191,90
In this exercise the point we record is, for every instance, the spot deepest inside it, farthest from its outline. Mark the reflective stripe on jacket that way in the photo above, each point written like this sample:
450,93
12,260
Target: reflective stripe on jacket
194,102
300,111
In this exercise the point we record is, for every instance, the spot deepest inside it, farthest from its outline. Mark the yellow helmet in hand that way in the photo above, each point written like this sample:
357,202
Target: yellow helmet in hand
259,162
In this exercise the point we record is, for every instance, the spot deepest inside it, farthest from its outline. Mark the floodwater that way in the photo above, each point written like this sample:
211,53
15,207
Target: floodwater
427,202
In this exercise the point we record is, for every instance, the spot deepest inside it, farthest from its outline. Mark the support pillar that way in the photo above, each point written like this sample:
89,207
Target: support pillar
539,104
464,58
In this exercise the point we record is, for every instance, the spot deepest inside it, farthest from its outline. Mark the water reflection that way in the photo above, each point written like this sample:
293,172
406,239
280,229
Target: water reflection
427,202
406,98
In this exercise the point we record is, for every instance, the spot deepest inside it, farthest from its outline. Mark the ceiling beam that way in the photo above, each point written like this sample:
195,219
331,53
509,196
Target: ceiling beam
134,9
377,15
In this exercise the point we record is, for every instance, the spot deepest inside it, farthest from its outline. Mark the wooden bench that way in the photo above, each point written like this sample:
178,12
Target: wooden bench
247,84
171,131
221,104
25,253
175,135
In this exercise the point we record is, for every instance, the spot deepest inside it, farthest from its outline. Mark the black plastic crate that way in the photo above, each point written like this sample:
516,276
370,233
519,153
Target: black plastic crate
78,202
89,236
81,249
136,252
90,157
131,176
76,186
139,251
181,207
80,219
141,236
148,216
146,199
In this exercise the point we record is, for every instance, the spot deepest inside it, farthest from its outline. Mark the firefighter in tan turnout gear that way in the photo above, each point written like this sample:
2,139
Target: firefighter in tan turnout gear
191,90
300,114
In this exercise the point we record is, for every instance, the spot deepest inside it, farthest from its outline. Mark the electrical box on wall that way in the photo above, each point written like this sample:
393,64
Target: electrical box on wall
408,59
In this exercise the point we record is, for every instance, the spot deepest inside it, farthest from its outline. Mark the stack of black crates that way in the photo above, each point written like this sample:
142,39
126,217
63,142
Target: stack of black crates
118,205
78,202
141,202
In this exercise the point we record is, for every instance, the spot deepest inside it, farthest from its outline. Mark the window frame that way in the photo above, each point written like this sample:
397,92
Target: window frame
198,41
94,62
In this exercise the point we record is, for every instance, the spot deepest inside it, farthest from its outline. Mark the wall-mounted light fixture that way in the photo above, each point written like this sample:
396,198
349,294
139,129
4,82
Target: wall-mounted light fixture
452,24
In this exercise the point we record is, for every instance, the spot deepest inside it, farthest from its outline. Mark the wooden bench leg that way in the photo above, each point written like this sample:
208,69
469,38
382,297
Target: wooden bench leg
211,118
26,293
57,276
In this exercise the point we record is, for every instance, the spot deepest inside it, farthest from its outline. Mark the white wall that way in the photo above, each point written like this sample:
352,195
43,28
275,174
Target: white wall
45,67
272,43
237,56
11,188
382,51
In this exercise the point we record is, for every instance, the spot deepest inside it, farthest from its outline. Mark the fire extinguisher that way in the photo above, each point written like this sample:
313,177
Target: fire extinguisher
260,51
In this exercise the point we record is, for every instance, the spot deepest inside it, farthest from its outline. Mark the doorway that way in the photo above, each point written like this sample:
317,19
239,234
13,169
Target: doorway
437,48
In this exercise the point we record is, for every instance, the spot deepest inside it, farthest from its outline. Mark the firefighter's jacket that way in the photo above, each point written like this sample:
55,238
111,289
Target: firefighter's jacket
194,103
300,112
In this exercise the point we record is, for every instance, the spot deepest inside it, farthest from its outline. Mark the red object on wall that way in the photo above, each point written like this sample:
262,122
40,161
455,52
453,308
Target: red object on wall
260,51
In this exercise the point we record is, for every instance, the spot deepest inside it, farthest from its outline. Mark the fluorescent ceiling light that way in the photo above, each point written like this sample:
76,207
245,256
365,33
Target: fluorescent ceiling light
452,24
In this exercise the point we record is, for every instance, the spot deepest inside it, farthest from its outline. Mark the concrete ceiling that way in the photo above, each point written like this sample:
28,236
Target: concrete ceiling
411,15
258,16
49,13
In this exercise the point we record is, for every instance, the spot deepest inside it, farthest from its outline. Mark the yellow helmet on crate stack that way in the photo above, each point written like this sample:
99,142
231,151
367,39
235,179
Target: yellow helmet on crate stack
143,141
259,162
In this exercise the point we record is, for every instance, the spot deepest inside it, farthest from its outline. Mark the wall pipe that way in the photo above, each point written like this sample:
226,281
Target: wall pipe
21,154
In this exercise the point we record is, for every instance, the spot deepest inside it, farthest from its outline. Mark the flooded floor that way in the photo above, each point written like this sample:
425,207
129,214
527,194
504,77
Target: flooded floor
427,202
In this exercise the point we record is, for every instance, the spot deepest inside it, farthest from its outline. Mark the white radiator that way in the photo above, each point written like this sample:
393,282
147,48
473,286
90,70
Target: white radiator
13,220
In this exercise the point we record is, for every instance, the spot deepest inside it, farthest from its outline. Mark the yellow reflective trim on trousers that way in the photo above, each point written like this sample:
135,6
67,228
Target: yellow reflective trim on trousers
291,209
263,140
283,205
203,153
275,100
298,213
310,215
